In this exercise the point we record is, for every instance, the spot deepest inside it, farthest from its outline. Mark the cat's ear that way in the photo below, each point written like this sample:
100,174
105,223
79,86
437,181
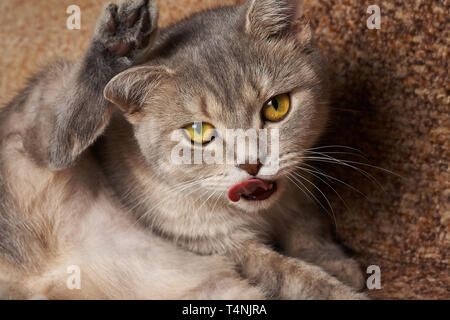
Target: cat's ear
130,89
268,18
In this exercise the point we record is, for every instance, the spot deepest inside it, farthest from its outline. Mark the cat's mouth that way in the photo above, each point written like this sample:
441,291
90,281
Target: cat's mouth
252,190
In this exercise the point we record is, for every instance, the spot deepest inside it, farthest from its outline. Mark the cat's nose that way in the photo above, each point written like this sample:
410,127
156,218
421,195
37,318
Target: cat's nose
252,169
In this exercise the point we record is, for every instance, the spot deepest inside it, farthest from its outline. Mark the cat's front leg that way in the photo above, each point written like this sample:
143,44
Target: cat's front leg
124,31
329,256
305,234
289,278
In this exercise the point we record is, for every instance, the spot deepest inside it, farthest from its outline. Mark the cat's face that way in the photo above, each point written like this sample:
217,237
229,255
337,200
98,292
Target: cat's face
234,80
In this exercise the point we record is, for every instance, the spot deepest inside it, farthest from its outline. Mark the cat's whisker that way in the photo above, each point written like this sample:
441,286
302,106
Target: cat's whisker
162,201
296,180
320,172
289,176
178,188
321,179
336,161
334,147
146,215
217,200
200,197
321,192
317,170
375,167
327,153
193,204
207,199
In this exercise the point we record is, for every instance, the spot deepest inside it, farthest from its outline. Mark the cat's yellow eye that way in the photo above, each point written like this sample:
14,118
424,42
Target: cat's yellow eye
200,132
277,108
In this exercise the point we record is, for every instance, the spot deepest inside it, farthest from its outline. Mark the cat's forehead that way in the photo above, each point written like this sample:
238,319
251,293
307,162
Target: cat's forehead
232,80
223,72
227,66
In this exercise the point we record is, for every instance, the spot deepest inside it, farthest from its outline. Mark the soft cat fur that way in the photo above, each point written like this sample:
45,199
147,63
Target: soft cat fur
86,177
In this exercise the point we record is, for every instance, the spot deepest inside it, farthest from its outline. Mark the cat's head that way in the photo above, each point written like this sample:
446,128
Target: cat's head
251,67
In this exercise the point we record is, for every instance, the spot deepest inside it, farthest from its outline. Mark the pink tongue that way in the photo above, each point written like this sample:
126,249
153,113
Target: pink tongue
247,188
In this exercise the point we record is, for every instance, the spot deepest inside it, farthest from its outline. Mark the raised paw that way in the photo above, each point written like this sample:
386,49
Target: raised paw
127,27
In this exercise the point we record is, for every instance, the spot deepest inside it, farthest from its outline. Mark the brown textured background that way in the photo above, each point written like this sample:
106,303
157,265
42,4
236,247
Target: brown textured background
391,101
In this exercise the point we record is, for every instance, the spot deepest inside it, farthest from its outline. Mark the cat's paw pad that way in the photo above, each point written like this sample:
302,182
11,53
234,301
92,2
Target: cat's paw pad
128,26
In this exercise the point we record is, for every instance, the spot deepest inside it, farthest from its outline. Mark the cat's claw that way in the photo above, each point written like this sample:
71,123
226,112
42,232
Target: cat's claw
127,27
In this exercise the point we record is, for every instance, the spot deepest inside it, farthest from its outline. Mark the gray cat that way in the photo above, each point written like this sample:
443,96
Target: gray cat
87,178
